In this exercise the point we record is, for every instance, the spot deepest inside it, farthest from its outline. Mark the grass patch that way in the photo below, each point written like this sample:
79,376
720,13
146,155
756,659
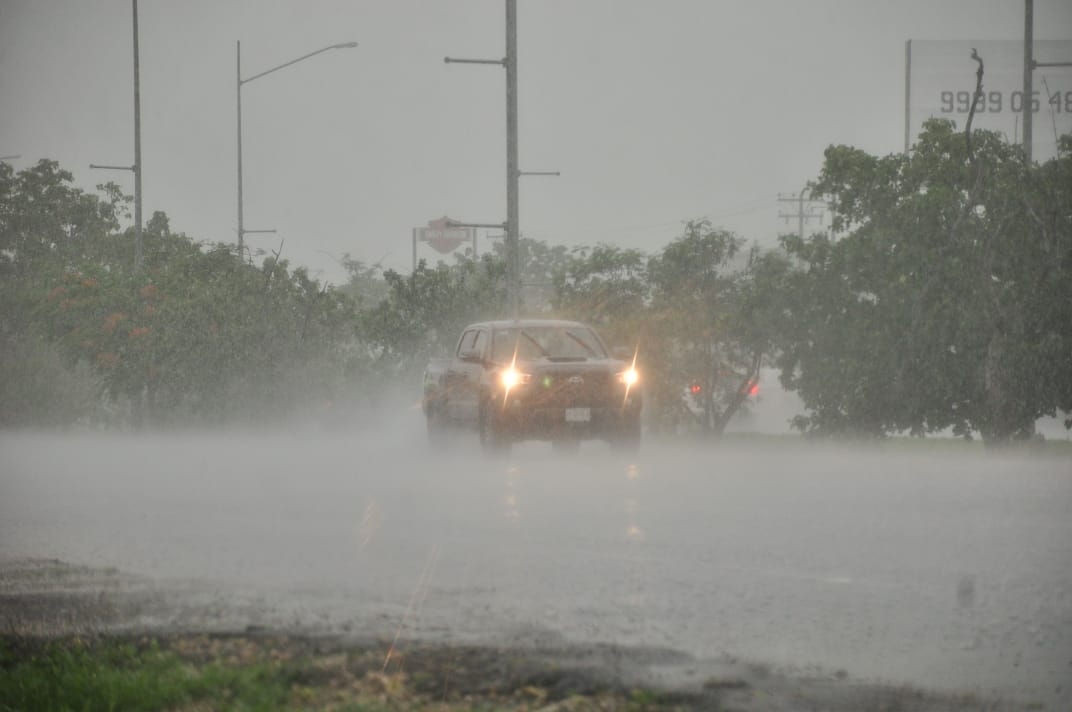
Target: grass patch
113,674
191,673
242,672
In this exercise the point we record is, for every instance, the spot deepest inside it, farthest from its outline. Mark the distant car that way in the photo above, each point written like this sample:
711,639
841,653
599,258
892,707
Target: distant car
692,394
534,379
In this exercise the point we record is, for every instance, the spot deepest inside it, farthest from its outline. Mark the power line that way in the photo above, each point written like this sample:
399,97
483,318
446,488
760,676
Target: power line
803,213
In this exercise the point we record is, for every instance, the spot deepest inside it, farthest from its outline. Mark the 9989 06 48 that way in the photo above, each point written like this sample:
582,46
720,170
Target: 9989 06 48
996,102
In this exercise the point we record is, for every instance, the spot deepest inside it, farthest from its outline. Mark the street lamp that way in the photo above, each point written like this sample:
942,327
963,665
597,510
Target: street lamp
239,82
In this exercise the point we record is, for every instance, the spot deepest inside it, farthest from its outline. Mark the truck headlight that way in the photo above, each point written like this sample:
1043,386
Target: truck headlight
628,377
511,377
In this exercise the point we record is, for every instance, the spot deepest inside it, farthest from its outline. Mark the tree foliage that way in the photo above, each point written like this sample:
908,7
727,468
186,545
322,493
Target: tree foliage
605,286
945,299
942,299
424,312
692,313
195,334
701,288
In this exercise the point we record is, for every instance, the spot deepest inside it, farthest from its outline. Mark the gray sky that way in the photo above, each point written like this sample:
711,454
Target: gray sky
654,112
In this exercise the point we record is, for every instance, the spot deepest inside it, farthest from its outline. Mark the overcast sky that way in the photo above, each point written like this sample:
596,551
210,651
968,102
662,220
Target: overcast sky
654,112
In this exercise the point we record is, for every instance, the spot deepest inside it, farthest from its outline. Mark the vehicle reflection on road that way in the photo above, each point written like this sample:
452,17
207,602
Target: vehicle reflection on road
633,532
512,498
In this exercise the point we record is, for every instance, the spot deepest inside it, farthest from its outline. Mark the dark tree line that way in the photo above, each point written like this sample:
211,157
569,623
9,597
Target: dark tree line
942,298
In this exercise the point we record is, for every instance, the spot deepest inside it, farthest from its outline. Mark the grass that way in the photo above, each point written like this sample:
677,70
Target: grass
120,675
242,672
188,673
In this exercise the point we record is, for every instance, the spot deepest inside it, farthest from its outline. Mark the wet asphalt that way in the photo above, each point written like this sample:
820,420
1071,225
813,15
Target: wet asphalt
933,566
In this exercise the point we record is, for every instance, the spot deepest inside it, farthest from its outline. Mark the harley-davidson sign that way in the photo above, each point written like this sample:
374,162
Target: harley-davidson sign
442,237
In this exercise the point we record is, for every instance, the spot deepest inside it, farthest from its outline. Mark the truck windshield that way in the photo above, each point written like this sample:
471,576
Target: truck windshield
552,343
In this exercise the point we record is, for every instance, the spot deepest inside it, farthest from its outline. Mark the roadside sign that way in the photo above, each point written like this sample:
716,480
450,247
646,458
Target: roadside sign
442,237
940,83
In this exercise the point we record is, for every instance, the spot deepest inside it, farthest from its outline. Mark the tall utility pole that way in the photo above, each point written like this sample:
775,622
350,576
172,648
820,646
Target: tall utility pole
136,168
137,146
1029,68
1030,65
802,214
513,250
238,103
907,92
511,227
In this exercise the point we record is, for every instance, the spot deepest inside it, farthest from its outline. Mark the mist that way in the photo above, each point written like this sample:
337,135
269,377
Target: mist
940,566
842,282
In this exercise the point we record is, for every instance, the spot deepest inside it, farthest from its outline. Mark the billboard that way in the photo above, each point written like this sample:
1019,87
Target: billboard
940,82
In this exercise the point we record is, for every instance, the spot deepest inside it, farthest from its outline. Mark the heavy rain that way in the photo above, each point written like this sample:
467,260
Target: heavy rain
746,385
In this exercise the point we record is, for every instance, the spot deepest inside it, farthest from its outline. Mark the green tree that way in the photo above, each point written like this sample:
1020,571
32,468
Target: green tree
605,286
47,226
194,335
365,282
702,315
699,311
424,312
540,262
945,301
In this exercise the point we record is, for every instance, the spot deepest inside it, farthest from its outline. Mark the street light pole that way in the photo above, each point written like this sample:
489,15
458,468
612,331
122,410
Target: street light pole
137,147
136,168
238,91
239,81
511,228
513,249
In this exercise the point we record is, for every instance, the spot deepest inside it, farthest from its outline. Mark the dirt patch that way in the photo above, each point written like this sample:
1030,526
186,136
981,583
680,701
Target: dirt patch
42,600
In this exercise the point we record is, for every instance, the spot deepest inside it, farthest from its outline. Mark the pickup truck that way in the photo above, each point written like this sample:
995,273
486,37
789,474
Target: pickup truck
533,379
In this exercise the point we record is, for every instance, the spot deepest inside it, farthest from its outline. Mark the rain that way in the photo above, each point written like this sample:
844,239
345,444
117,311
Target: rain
521,354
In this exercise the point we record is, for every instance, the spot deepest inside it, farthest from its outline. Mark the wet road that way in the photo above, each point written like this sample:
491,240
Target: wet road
950,571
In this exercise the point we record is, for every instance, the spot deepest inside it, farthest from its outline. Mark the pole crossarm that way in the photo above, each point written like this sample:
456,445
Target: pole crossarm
1035,65
456,60
114,168
341,45
455,223
539,173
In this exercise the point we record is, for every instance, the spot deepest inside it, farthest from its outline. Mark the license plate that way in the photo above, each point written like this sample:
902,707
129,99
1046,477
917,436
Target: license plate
578,415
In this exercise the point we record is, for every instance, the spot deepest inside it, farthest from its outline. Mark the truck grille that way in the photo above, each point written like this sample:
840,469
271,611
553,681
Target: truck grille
574,388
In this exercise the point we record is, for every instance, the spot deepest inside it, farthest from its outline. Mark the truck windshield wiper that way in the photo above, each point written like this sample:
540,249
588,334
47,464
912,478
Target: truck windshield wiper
534,342
583,343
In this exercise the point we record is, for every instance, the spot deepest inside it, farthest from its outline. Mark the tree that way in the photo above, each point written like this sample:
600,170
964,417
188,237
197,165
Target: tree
698,312
607,287
46,226
194,335
945,301
540,262
424,312
365,282
702,316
